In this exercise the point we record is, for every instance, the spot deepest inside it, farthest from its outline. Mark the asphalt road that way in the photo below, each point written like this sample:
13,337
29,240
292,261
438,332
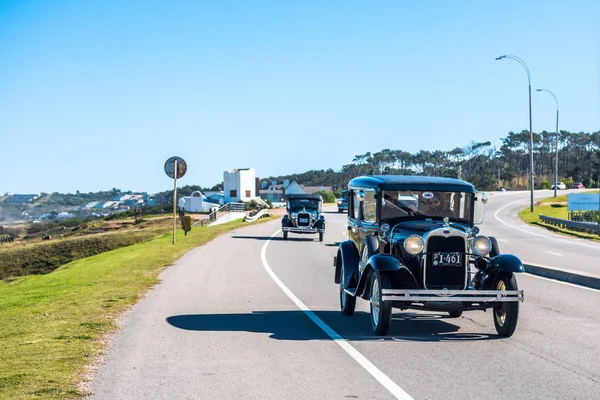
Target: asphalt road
250,316
536,245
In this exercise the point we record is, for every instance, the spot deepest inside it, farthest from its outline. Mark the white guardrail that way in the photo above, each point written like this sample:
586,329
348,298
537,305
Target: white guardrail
590,227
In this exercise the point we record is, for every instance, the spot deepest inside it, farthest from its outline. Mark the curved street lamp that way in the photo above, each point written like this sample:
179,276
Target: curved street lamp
556,155
517,59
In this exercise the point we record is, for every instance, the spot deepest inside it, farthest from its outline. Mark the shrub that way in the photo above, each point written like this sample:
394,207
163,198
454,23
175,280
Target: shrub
328,197
546,184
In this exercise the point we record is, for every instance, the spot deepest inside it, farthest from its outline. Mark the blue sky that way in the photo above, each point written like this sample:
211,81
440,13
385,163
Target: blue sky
98,94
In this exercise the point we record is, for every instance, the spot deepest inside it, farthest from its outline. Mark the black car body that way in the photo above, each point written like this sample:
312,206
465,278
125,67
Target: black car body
343,202
304,215
413,244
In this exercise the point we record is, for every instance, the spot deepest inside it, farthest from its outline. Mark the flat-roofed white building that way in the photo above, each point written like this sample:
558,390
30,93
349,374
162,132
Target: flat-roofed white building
239,185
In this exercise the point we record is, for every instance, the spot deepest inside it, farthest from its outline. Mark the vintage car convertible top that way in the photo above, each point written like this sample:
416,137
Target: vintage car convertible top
413,244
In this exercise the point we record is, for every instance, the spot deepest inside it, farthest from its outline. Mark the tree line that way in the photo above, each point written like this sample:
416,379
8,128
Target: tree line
484,165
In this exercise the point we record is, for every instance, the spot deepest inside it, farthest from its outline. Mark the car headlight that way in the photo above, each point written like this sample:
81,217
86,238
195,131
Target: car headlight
339,202
414,244
482,245
294,215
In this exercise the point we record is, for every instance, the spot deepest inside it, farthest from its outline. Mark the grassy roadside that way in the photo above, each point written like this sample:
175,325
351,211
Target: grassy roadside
557,208
52,325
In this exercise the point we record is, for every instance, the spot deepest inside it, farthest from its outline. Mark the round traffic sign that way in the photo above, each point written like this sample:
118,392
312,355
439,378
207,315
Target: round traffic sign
170,166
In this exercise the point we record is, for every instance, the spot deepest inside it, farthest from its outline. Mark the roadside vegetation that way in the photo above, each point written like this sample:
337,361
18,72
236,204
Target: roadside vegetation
53,324
554,207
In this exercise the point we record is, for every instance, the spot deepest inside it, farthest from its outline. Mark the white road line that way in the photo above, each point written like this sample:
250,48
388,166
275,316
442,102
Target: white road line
537,234
554,254
562,283
382,378
502,240
344,233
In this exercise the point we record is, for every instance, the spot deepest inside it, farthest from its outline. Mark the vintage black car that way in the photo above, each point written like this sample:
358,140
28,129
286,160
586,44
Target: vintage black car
413,244
343,202
303,215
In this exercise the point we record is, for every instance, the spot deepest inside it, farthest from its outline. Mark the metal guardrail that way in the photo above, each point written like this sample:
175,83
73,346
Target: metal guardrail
572,225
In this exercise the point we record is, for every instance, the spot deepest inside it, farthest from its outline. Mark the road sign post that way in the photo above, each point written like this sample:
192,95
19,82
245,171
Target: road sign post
175,167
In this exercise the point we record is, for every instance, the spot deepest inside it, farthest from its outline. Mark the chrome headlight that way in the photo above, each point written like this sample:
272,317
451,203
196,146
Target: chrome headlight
294,215
339,202
414,244
482,245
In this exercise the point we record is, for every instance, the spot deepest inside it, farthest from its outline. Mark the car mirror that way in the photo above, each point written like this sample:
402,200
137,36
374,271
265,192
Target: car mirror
479,208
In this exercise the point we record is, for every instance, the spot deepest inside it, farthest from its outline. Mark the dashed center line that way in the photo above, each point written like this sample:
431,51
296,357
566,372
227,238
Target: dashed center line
554,254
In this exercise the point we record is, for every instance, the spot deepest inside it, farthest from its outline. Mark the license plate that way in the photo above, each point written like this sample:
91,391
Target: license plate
305,220
452,259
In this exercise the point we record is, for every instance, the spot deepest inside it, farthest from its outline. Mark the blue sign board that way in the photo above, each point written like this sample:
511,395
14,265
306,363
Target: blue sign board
583,202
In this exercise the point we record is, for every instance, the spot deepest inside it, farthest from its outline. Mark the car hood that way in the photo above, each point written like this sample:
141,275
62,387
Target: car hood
420,227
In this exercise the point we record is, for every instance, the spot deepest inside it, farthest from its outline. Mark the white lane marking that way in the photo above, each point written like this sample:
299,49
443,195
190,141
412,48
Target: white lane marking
502,240
562,283
375,372
554,254
344,233
537,234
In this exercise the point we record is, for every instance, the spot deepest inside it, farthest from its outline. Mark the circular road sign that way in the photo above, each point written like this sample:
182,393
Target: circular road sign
170,166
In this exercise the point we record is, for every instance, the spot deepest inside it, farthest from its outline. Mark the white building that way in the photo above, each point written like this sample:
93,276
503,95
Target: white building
239,185
197,202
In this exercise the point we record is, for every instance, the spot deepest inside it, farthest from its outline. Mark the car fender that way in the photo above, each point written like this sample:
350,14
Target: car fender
498,264
285,221
347,259
506,262
399,274
320,223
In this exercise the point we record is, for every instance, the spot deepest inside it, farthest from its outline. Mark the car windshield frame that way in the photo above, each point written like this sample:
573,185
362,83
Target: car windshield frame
406,205
295,205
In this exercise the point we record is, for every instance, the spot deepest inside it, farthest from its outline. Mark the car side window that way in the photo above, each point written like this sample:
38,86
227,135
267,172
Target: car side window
369,206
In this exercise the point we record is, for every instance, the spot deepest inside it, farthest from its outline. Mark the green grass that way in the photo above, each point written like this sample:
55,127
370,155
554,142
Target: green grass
51,325
554,207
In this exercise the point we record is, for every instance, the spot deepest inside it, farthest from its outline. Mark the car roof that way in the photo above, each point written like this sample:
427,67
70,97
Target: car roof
303,196
414,182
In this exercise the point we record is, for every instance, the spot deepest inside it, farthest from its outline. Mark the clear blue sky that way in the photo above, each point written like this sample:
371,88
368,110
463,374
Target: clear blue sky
97,95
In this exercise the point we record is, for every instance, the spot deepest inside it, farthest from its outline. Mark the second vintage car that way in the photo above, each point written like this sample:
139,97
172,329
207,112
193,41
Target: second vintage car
343,202
304,215
414,244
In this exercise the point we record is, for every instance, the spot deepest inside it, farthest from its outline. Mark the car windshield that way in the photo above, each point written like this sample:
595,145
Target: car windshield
344,195
299,204
428,204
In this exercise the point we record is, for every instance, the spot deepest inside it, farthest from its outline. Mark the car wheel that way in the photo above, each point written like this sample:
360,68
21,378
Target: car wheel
495,251
455,314
506,314
285,235
381,311
320,236
347,302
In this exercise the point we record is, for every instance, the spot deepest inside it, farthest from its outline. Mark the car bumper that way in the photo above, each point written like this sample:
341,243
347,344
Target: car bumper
476,296
302,230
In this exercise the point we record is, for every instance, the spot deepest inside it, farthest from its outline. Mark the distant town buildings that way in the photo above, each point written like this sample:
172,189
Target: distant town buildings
22,198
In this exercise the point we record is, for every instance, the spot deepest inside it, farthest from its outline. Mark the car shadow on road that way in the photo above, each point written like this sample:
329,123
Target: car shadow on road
334,244
296,325
276,238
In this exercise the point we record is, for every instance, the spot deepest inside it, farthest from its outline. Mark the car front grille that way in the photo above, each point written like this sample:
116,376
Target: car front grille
303,219
445,276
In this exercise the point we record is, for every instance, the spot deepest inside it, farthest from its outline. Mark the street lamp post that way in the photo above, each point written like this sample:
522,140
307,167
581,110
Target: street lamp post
556,156
517,59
